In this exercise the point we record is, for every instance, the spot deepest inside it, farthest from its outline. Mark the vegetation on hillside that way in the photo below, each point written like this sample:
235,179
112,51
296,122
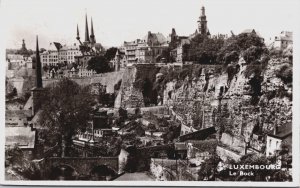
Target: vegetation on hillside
65,112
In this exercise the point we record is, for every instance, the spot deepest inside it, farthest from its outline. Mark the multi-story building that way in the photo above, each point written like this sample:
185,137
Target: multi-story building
283,40
50,56
56,53
146,50
130,48
67,54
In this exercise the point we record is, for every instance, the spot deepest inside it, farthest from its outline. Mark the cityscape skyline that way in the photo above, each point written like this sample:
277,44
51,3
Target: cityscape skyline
114,30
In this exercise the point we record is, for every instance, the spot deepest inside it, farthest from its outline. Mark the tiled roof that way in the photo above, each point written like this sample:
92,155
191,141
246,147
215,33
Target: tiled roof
157,38
17,113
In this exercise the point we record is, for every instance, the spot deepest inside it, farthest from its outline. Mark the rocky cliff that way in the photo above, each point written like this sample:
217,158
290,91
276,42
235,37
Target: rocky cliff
252,98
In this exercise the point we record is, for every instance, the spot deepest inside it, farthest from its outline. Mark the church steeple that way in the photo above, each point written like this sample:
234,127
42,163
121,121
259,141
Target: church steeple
86,30
92,37
202,22
39,83
78,37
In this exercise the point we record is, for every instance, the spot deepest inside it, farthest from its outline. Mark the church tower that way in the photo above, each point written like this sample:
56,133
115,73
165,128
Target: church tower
23,45
38,90
87,37
92,37
202,22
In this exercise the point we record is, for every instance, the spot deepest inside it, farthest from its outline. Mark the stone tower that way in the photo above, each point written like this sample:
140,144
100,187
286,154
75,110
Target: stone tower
23,45
202,22
23,50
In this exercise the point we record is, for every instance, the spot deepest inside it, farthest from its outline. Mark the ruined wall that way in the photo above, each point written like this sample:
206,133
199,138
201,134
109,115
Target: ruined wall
227,154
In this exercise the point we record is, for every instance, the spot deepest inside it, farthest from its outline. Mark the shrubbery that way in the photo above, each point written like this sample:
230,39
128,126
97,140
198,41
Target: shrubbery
285,73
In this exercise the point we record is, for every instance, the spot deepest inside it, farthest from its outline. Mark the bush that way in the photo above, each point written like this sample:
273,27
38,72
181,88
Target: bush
252,54
285,73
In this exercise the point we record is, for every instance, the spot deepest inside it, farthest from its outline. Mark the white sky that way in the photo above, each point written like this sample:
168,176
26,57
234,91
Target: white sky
116,21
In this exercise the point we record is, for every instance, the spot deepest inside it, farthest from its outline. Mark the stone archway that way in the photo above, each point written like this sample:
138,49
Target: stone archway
63,172
102,172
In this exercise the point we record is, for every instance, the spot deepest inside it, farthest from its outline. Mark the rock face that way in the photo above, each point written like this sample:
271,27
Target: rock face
132,93
204,99
205,96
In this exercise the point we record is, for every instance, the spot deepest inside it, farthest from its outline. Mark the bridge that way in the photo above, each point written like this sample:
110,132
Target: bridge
81,165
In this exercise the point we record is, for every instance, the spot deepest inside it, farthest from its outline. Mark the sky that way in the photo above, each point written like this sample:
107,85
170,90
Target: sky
116,21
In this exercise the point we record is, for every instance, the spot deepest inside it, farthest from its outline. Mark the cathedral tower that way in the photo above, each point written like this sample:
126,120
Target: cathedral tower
87,37
92,37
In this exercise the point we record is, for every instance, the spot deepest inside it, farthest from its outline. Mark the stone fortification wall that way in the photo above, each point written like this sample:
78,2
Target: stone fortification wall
109,79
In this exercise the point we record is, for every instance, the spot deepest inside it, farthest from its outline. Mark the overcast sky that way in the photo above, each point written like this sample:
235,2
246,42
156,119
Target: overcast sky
116,21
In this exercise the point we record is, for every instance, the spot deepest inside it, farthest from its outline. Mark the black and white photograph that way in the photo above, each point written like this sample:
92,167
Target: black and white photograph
157,92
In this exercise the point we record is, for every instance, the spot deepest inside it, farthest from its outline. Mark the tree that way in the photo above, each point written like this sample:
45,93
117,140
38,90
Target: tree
110,53
208,168
100,64
204,50
66,107
18,163
251,43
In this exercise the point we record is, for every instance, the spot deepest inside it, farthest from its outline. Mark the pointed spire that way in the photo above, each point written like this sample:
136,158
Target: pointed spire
203,11
39,83
93,40
78,37
86,30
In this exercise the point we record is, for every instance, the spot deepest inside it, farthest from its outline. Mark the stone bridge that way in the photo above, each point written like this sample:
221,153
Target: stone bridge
82,165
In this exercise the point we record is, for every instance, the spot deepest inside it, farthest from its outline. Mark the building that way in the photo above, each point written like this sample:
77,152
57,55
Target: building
281,136
177,43
68,54
147,50
50,56
119,61
22,137
283,40
23,51
202,23
181,51
89,47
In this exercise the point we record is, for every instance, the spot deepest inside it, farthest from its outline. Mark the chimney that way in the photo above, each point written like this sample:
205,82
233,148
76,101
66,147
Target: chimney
275,130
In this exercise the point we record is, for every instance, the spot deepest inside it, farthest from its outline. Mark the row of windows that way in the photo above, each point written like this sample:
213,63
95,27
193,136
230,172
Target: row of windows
50,56
50,60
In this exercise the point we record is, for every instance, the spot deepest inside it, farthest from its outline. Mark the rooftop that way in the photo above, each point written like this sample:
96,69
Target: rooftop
283,131
24,137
